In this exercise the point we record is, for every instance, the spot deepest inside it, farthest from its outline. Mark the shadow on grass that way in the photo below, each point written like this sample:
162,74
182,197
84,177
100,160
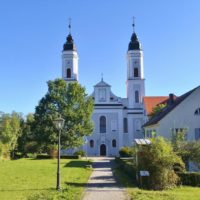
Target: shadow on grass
78,163
31,189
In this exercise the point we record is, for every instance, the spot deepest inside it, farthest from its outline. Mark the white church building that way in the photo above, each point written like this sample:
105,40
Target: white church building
118,121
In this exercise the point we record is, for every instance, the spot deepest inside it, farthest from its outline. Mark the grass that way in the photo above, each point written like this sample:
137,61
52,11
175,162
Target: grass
179,193
28,179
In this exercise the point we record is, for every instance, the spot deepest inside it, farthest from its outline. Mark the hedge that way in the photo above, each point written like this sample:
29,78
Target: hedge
45,156
189,178
127,167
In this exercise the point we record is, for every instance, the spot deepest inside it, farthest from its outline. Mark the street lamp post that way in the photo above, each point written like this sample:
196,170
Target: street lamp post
59,123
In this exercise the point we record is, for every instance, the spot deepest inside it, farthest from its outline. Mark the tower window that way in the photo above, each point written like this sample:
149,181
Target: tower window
102,124
136,96
125,125
114,143
68,73
91,143
136,74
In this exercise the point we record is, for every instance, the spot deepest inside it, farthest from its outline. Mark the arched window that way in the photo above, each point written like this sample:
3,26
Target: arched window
136,96
125,125
68,73
136,74
102,124
91,143
197,111
114,144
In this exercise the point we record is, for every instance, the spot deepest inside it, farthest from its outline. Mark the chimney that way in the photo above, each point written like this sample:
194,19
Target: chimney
171,99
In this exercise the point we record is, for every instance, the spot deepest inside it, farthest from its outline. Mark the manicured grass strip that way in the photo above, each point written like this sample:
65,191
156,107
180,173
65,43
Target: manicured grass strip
36,179
179,193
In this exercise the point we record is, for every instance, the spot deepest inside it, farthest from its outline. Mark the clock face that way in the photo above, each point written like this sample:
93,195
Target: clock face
68,62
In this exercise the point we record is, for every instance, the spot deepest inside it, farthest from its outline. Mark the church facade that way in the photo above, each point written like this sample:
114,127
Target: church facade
117,121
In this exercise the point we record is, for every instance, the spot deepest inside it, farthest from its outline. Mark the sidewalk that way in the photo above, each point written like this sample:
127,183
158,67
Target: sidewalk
102,184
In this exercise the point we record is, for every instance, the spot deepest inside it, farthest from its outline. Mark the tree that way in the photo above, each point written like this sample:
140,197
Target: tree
159,159
72,103
157,109
26,135
10,131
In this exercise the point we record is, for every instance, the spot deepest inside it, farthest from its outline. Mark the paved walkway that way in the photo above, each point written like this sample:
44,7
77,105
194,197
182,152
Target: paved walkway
102,184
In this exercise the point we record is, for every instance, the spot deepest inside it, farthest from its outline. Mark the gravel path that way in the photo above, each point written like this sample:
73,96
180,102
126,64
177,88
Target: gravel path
102,184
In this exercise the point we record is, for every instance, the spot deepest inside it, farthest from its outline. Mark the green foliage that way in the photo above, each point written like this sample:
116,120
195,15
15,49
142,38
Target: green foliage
9,132
26,135
178,193
126,152
158,158
127,167
31,147
190,178
80,153
72,103
157,109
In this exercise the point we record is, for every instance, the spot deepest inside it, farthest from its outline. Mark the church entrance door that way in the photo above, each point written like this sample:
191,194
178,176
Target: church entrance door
103,150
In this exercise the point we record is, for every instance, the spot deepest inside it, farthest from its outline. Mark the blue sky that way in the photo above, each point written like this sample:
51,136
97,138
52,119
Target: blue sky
32,34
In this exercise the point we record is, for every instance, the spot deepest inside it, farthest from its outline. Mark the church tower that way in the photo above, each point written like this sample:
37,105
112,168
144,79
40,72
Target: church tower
135,73
69,59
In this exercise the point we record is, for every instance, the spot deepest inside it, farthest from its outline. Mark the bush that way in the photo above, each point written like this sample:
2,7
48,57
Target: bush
52,151
46,156
126,152
4,151
159,159
127,167
79,153
189,178
31,147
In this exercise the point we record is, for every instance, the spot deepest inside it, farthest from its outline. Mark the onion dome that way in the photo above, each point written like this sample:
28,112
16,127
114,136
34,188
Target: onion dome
134,44
69,44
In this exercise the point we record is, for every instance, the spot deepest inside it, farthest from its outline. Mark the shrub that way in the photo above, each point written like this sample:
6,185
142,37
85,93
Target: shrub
4,151
127,167
79,153
126,152
159,159
31,147
189,178
52,151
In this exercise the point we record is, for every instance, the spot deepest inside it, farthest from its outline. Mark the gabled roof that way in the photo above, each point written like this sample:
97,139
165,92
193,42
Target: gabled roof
102,84
151,102
154,120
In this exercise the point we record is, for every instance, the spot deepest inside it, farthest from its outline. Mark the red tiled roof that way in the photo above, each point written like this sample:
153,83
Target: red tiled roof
151,102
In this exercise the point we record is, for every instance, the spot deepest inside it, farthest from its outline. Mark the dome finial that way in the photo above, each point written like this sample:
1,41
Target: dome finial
69,26
133,24
101,76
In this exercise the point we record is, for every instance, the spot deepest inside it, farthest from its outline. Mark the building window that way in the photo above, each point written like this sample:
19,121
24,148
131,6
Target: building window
102,124
136,96
197,133
113,125
150,134
136,74
91,143
125,125
102,94
114,144
197,111
68,73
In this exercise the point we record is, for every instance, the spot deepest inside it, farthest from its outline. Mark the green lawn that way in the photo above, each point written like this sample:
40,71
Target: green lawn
36,179
179,193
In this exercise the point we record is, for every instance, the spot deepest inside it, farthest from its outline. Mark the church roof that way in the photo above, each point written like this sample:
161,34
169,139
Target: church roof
69,44
154,120
102,84
134,44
